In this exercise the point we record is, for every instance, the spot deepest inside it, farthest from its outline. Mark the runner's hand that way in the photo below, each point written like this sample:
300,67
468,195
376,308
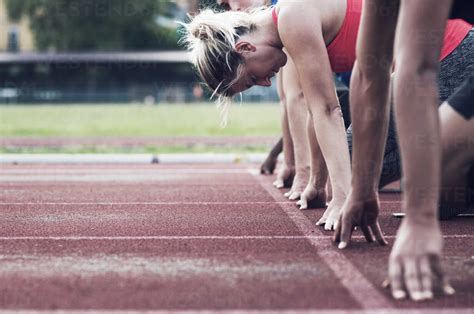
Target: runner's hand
285,176
268,165
299,184
312,197
415,262
331,215
362,214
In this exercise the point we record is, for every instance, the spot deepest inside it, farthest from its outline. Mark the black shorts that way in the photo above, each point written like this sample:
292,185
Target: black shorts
463,98
447,211
463,9
470,188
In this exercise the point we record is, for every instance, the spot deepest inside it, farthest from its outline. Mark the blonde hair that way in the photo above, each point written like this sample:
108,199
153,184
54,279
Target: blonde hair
211,38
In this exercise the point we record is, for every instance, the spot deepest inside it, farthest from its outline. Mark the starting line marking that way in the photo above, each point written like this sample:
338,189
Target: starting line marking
132,238
143,203
109,171
160,203
356,284
250,237
224,311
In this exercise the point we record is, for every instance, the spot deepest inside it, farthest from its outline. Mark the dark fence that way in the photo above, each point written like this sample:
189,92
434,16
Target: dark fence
150,78
97,77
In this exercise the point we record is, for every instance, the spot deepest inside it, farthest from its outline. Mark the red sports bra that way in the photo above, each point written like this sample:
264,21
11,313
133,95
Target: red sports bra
341,50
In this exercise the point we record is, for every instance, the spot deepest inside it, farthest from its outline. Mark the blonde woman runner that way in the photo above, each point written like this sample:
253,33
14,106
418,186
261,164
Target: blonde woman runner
233,51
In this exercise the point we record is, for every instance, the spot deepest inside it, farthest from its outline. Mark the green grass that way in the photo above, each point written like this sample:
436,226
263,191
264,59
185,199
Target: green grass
136,120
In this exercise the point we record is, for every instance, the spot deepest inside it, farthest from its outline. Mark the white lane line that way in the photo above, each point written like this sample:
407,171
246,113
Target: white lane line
159,268
152,175
230,311
140,203
154,203
104,177
60,178
142,159
135,238
361,289
195,237
112,171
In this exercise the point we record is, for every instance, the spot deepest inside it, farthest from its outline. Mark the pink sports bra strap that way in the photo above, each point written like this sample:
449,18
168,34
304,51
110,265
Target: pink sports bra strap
275,16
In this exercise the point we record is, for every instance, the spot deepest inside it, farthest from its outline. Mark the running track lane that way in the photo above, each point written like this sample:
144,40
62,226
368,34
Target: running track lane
66,245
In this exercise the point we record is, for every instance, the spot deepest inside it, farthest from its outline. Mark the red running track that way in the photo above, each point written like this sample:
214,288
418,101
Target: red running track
193,238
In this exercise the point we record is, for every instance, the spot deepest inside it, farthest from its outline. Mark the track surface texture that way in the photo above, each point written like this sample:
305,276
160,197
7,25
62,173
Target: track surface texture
184,238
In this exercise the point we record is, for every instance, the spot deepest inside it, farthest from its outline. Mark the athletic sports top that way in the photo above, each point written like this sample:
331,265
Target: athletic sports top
342,49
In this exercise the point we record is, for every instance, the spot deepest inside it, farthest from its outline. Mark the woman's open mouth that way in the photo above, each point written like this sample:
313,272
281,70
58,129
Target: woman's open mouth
270,76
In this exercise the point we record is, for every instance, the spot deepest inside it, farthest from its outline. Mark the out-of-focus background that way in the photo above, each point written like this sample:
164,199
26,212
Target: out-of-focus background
108,76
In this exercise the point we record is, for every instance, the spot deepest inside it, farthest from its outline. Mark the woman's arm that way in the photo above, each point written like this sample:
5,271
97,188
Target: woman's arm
297,114
268,166
301,33
315,194
286,172
416,101
369,99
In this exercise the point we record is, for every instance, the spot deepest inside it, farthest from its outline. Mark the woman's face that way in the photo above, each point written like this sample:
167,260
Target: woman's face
238,5
261,63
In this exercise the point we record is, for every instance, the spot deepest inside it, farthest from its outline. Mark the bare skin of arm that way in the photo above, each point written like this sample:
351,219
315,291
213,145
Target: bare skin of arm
286,172
318,88
369,98
297,114
415,258
315,194
268,166
412,263
296,167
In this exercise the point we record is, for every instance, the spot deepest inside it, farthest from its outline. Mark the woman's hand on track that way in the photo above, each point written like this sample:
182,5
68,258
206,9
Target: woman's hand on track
312,197
331,215
285,176
299,184
268,165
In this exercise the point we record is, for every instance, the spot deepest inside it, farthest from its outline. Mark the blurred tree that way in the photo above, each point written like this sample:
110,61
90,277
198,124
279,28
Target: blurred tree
104,25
